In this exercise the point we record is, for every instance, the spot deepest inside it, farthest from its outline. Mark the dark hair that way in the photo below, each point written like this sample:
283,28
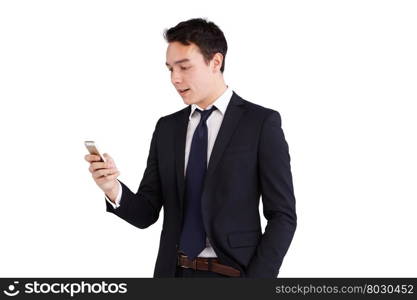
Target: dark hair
206,35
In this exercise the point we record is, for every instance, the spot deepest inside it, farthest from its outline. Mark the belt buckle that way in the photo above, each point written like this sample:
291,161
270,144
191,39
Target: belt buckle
193,262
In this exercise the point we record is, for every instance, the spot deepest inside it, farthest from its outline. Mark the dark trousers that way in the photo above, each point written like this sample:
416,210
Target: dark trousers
184,272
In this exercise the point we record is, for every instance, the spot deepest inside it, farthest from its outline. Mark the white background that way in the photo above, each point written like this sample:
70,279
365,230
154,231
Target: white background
342,74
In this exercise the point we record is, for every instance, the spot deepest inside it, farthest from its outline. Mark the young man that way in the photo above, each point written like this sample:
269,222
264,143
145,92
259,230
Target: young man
208,165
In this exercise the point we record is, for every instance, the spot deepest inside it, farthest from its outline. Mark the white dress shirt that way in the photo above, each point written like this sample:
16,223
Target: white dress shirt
213,125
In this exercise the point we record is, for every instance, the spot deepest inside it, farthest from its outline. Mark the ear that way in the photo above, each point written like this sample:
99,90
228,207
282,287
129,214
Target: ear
217,62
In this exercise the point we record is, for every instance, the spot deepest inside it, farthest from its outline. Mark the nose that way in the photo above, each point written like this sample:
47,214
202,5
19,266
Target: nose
175,77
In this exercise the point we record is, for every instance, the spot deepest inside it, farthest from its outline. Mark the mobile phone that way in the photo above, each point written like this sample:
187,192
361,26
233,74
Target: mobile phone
91,147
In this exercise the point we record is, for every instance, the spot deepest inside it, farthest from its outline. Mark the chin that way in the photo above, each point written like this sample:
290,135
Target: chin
188,101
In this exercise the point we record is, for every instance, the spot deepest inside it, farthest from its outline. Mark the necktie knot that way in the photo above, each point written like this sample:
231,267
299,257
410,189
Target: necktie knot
205,114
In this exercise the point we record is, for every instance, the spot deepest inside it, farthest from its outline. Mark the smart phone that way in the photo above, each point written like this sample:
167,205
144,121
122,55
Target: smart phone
91,147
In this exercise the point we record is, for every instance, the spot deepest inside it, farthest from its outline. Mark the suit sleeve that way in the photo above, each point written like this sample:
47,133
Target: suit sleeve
142,209
278,200
116,203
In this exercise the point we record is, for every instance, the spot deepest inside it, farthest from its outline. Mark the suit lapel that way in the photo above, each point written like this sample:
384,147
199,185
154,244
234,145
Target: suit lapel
180,135
231,119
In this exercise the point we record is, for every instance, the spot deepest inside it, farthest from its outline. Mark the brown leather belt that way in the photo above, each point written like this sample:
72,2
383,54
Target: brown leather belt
207,264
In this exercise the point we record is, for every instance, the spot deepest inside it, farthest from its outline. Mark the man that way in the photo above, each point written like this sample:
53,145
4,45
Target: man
208,165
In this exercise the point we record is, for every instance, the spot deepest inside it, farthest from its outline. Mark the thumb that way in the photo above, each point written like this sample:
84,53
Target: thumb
108,159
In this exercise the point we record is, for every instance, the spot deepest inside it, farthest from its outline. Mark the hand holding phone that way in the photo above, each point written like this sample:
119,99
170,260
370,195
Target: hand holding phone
91,147
103,170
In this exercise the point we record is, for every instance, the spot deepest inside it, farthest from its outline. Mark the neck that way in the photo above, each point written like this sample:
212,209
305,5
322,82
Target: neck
220,89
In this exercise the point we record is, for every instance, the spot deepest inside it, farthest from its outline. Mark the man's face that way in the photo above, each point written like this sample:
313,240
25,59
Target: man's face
191,76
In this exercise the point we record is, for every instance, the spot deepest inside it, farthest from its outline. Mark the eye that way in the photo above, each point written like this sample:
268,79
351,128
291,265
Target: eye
184,68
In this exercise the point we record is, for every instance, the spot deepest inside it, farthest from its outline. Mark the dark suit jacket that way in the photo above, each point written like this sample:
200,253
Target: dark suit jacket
249,159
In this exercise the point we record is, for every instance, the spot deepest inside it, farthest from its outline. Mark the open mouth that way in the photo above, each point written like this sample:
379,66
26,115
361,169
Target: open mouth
183,91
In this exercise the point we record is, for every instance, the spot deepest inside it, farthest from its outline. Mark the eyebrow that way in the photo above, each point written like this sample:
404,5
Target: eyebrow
178,62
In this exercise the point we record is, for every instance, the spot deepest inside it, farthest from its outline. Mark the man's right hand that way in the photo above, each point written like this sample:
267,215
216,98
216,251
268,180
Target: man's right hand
104,174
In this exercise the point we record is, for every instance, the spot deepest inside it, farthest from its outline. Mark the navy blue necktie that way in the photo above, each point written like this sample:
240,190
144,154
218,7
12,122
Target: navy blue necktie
193,235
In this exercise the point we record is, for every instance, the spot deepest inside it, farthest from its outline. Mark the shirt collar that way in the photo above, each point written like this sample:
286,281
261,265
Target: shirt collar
220,103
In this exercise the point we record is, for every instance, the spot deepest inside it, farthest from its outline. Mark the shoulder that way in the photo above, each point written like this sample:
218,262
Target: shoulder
257,111
172,119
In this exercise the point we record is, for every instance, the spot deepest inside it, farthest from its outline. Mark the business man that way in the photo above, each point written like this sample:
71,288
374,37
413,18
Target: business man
208,166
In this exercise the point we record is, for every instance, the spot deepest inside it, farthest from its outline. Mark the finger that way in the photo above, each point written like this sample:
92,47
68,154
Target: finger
104,172
109,159
108,178
98,165
100,173
92,169
92,157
